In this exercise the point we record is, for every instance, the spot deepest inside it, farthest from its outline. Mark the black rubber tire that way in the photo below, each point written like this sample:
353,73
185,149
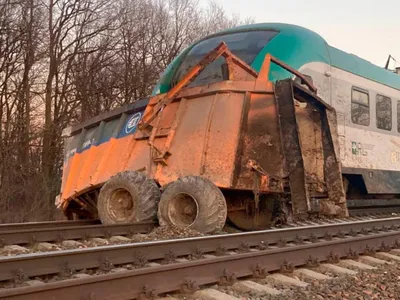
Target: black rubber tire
211,204
144,192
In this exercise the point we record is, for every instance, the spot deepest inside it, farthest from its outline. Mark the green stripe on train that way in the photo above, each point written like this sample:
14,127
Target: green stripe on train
296,46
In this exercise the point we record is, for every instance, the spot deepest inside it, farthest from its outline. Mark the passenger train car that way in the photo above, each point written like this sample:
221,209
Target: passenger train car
365,96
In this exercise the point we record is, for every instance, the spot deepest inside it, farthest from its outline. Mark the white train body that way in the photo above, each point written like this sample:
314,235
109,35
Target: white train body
370,149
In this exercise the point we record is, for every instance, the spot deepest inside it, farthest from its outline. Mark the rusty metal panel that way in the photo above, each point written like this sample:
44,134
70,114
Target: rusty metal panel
205,139
139,158
309,125
187,146
261,143
333,172
168,115
334,203
292,147
220,144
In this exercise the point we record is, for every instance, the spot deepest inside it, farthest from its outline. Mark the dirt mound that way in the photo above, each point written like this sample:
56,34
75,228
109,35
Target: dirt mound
166,233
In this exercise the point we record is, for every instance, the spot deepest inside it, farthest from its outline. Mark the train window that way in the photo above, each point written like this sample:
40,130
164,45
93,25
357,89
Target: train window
246,45
383,112
360,107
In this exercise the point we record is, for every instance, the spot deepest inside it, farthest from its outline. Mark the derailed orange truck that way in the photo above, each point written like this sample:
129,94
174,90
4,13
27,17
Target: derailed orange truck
239,148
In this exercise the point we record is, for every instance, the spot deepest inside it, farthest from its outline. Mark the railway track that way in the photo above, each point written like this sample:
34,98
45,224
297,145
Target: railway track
45,225
28,234
365,207
131,271
31,233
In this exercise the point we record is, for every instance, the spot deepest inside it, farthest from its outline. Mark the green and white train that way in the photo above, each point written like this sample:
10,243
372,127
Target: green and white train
366,97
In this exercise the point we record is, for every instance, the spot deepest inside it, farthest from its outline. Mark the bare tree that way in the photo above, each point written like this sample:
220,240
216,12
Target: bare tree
72,25
95,80
19,30
64,61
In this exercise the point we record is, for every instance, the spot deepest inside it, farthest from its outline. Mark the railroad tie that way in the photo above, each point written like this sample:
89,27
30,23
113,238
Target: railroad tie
395,251
337,269
355,264
373,260
212,294
387,256
285,280
310,274
254,288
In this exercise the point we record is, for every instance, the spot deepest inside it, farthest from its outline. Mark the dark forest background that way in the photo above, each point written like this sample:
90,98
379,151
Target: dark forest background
64,61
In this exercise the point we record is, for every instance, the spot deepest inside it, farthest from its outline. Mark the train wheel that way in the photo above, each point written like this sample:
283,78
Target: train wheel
128,197
246,219
193,202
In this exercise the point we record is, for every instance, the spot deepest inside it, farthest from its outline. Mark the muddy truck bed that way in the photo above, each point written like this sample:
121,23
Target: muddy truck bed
244,149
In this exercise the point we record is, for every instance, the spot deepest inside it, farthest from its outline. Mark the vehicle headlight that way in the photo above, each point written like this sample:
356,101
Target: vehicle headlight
57,201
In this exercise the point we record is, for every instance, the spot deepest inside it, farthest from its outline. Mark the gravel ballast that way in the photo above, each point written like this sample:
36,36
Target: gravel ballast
382,283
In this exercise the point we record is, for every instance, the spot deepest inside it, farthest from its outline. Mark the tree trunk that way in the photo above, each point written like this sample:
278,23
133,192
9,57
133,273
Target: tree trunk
47,163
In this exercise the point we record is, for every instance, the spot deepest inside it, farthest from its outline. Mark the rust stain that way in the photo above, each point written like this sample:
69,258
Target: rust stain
395,143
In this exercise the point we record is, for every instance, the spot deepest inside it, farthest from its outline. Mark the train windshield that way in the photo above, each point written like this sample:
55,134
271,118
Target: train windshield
245,45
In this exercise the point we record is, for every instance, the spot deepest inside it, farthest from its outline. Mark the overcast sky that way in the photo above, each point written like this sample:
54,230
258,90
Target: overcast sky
369,29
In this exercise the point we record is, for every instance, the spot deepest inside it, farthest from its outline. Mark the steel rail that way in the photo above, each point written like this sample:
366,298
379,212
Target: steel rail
369,211
151,281
70,232
45,225
104,257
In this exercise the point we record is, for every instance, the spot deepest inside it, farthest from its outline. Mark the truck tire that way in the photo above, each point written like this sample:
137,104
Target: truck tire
193,202
128,197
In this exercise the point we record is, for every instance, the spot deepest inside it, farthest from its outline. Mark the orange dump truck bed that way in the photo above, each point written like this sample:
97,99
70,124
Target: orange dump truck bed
241,134
92,147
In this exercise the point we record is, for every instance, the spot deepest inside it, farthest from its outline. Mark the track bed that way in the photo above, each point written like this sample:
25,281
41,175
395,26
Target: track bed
199,259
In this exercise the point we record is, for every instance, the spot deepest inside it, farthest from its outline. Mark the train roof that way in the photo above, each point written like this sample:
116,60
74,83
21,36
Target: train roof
361,67
296,46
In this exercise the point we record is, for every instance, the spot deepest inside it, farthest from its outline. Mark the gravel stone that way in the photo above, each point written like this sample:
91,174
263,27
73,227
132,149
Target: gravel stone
166,233
118,270
33,283
45,247
118,239
94,242
13,250
381,283
70,244
80,276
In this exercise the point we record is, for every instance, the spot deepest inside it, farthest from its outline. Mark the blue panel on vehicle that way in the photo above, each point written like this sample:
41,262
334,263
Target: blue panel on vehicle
89,139
108,131
71,146
131,123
